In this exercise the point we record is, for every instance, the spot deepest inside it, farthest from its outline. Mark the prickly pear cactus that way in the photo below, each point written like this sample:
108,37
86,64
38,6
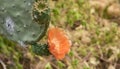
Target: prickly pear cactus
24,20
40,49
41,12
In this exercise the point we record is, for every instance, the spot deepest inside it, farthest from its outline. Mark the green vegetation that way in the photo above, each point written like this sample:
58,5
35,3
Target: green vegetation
95,40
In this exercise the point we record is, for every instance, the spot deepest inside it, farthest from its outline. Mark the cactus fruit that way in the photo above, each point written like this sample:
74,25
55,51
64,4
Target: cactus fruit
24,20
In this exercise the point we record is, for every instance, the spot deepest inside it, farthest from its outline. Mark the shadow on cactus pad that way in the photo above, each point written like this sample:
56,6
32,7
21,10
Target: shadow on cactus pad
40,49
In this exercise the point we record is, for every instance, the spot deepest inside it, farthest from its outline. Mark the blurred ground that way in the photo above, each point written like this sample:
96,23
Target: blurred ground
94,29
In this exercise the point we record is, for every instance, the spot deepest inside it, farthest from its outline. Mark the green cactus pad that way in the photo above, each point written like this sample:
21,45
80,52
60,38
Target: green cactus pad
40,49
21,21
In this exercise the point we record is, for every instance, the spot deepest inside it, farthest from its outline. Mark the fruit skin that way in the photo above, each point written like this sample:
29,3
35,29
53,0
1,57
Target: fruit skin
17,20
58,42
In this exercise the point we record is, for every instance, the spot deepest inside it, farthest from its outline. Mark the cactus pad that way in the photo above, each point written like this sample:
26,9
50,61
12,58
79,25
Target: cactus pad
40,49
24,20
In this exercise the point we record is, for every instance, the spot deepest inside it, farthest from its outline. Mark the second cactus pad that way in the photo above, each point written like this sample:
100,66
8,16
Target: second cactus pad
24,20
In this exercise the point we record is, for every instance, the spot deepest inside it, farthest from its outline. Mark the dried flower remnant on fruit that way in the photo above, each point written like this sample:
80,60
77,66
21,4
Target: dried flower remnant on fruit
59,44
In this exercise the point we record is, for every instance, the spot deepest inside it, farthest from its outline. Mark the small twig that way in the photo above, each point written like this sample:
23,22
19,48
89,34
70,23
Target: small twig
77,56
105,60
3,64
118,65
99,50
87,57
54,65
